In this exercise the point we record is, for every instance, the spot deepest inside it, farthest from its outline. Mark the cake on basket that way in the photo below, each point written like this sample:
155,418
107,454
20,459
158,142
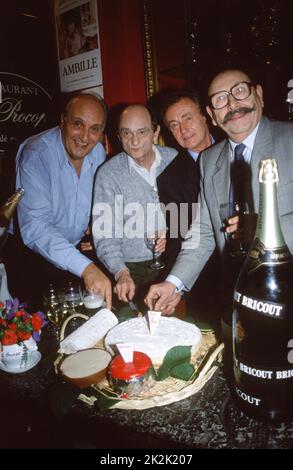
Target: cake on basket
169,333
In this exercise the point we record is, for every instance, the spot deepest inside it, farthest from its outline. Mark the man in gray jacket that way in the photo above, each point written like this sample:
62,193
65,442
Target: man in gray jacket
235,105
126,203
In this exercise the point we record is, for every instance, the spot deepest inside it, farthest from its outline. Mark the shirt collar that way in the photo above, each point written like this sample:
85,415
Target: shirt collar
195,155
248,142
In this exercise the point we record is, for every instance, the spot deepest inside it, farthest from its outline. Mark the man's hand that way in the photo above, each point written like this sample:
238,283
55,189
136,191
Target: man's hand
161,245
86,245
233,225
162,297
95,281
171,304
242,227
125,287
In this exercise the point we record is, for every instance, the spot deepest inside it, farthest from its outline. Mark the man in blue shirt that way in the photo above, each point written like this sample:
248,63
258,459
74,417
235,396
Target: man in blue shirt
56,169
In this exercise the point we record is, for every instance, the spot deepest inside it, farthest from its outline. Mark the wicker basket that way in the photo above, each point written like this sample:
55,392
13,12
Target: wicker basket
206,361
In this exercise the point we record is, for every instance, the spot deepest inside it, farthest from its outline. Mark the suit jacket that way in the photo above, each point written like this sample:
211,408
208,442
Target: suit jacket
273,139
178,183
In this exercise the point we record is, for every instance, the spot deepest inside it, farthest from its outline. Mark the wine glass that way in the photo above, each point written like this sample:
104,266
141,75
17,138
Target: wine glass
231,209
56,310
52,301
150,241
73,296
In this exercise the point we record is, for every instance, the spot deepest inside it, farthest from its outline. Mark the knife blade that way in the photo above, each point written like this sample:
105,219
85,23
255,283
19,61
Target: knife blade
133,307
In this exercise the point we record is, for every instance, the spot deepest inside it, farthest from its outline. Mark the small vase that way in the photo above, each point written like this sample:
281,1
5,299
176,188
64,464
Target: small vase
19,357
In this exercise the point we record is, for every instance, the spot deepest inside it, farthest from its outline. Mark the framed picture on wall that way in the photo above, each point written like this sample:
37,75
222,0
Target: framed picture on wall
79,54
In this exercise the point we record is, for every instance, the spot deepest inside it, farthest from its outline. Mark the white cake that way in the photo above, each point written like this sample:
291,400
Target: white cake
169,333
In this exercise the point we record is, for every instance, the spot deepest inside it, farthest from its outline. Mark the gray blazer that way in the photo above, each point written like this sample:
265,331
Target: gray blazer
273,139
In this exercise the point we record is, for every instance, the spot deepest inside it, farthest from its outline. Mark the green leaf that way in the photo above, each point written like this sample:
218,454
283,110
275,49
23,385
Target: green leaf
182,371
125,314
204,326
189,319
174,357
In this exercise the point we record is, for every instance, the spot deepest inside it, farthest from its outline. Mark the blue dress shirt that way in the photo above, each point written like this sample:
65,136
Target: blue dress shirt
55,210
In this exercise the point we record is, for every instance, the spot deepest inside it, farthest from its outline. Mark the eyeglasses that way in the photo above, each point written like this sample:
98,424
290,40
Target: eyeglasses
240,92
127,134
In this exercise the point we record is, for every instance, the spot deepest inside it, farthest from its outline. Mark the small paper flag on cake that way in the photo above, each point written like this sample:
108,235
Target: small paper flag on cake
154,318
126,351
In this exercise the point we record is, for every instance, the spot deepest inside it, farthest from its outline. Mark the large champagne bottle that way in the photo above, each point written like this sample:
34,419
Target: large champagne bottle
263,314
6,213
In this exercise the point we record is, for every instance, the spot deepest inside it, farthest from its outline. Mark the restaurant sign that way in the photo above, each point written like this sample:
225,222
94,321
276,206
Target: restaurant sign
24,108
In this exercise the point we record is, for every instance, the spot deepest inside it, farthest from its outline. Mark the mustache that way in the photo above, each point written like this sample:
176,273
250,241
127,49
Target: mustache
231,114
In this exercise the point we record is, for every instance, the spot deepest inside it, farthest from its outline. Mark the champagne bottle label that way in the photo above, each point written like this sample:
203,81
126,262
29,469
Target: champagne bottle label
257,371
267,308
263,314
251,400
260,255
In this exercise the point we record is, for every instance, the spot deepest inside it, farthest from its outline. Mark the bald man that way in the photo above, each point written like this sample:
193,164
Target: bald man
56,169
126,187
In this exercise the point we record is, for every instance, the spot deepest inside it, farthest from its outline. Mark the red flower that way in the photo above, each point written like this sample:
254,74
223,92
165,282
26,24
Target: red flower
36,322
19,313
9,338
17,325
23,336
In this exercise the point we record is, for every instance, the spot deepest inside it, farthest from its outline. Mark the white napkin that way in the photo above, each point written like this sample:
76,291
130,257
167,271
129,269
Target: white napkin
90,333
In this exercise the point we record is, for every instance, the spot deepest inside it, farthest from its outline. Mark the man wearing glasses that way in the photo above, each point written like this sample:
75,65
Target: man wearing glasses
126,192
235,105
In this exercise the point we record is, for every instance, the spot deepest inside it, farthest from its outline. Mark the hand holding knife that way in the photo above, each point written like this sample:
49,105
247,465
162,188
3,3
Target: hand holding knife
133,307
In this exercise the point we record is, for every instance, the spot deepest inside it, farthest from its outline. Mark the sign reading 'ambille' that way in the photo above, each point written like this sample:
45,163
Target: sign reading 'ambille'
77,34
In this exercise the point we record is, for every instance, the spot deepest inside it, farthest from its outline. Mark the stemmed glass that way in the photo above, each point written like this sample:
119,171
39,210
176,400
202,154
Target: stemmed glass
53,305
150,241
228,210
73,296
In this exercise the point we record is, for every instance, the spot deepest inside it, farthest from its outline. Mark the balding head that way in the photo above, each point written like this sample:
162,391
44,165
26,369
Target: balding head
87,99
136,112
137,134
82,126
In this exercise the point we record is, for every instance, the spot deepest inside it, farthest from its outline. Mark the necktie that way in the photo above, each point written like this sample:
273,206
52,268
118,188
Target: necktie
238,153
239,176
